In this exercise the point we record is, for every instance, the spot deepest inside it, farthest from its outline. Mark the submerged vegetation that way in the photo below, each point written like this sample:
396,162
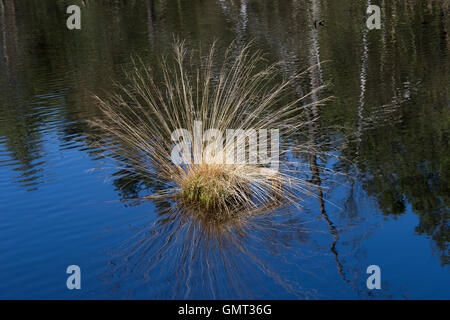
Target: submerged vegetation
243,94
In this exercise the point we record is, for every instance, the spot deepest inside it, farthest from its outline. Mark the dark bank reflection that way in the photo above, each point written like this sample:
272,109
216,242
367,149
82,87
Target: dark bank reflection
388,118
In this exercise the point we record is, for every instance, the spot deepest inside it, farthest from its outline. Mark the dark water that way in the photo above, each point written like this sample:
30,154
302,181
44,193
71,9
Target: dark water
62,203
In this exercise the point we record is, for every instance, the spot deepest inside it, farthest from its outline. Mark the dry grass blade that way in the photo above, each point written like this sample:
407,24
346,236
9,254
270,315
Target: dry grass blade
239,95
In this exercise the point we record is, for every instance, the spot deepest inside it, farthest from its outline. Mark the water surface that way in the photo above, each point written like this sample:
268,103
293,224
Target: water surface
63,203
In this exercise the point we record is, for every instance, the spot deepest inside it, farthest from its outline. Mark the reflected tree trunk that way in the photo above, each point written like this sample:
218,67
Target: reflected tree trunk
362,87
9,33
150,18
314,114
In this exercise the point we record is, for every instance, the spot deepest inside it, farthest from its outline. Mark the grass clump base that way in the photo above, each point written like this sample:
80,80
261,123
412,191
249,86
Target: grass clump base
210,188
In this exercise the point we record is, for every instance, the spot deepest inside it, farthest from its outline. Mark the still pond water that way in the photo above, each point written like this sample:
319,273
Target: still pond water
63,203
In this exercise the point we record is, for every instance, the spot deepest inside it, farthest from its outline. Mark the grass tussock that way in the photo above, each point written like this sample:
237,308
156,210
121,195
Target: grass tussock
242,92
